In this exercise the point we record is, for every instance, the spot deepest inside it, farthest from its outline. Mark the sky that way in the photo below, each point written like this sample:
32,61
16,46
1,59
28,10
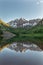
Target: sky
28,9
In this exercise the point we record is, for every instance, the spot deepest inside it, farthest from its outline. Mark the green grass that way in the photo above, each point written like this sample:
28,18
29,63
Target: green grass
35,34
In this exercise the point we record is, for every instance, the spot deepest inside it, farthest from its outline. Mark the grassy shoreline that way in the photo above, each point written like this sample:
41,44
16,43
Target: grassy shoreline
35,34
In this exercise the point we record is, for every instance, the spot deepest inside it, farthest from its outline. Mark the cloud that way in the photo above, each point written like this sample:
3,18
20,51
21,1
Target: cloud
39,1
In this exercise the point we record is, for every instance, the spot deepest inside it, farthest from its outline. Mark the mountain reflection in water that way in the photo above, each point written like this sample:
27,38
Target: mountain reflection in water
23,53
22,47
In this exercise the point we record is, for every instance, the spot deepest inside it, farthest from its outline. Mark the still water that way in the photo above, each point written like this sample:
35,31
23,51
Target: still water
21,54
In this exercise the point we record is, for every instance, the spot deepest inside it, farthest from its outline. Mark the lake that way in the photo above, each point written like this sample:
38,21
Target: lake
21,53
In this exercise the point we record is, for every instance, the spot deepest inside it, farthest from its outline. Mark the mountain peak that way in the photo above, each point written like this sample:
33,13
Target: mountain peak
21,22
22,19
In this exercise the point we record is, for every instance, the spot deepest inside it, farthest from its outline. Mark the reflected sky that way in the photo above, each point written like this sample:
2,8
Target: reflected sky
9,56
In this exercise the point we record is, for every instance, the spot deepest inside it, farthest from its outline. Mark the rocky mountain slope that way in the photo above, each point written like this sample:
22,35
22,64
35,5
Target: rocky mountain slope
23,23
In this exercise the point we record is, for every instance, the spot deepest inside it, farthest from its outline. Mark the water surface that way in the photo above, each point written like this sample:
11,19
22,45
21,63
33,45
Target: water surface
21,54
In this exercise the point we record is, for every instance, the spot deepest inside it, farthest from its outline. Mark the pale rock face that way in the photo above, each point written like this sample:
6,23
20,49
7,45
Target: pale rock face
14,25
23,23
30,24
26,24
34,24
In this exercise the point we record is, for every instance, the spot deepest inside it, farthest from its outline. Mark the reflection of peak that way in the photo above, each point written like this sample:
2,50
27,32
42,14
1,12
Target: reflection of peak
23,47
